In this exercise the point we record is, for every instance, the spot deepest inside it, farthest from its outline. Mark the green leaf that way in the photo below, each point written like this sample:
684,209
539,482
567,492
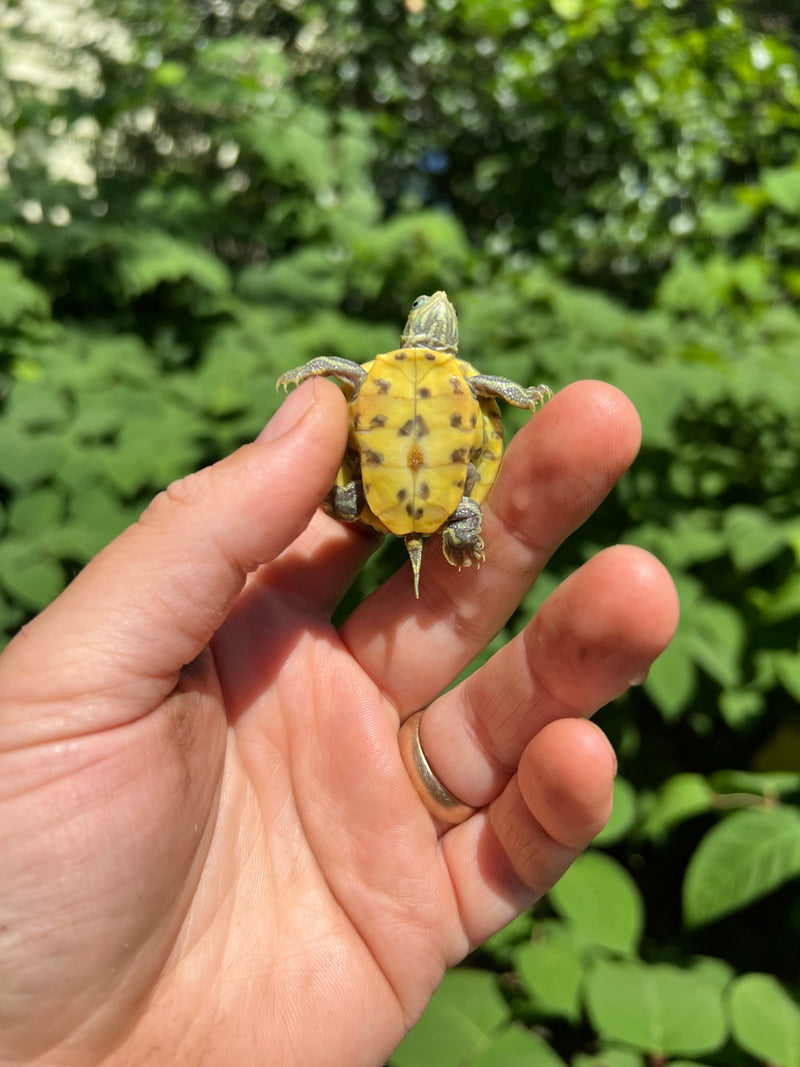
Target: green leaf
780,603
27,460
602,902
516,1047
153,258
464,1011
726,220
680,798
662,1010
787,668
21,297
551,969
782,185
36,405
500,945
766,1020
715,639
773,784
716,972
28,575
672,679
623,815
10,618
96,517
740,707
36,513
753,537
744,857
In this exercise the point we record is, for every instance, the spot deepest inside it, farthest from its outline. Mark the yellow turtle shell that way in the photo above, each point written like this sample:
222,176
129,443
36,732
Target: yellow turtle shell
412,452
425,436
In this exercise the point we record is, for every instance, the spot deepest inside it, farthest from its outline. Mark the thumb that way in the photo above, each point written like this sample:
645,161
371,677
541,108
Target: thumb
151,600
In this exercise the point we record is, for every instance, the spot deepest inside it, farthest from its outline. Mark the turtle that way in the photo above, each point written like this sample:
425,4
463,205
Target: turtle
425,436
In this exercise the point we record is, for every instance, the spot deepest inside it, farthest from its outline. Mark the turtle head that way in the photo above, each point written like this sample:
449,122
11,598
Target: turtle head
432,323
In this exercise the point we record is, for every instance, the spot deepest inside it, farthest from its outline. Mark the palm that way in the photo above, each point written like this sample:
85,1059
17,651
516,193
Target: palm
237,842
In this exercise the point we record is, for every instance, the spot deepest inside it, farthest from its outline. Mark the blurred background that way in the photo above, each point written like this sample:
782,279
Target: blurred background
197,196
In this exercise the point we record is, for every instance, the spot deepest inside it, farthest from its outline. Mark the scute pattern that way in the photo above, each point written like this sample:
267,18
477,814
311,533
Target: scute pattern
425,436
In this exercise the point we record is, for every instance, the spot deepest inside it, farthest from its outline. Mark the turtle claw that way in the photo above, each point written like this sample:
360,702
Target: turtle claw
462,543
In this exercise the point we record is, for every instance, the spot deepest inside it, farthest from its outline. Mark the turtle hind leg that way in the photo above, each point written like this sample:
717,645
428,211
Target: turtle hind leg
461,536
345,502
414,542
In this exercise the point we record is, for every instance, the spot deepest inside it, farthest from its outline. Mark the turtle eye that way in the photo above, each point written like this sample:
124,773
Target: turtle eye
419,302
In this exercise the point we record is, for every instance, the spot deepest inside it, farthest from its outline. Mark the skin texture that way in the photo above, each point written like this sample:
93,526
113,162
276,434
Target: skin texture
211,851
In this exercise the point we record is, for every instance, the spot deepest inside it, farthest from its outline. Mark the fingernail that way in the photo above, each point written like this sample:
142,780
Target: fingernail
289,413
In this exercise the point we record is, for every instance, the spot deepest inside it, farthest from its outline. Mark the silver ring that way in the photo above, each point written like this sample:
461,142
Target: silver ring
439,801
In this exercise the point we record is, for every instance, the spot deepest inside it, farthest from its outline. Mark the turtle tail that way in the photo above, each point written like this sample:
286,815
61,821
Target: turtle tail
414,546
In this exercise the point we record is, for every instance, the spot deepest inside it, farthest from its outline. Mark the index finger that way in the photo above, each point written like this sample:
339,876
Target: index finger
556,471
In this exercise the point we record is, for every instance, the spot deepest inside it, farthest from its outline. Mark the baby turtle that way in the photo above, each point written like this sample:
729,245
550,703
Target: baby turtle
425,436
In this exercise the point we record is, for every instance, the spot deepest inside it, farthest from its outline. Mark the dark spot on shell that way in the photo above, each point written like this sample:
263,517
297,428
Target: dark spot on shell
402,494
430,356
415,513
459,483
409,510
423,393
370,458
459,455
473,419
400,355
417,426
382,385
423,491
456,384
455,420
377,421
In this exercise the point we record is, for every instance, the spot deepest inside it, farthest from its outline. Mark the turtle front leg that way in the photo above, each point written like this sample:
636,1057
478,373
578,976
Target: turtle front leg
461,536
351,374
518,395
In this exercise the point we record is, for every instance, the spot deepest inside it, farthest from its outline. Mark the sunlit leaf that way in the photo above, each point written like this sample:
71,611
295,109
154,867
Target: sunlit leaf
681,797
601,901
516,1047
660,1009
551,968
463,1014
623,814
745,856
766,1020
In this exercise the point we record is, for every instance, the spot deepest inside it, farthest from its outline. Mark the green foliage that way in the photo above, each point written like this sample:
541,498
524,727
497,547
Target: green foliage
206,195
765,1020
744,857
467,1024
658,1009
600,900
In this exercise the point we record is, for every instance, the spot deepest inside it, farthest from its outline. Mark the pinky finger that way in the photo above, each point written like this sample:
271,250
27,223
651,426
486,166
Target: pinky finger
506,857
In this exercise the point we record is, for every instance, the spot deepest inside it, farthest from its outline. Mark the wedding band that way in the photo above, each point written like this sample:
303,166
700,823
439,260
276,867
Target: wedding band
439,801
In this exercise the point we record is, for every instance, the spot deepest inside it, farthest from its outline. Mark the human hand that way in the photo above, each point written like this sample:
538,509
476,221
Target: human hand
212,852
